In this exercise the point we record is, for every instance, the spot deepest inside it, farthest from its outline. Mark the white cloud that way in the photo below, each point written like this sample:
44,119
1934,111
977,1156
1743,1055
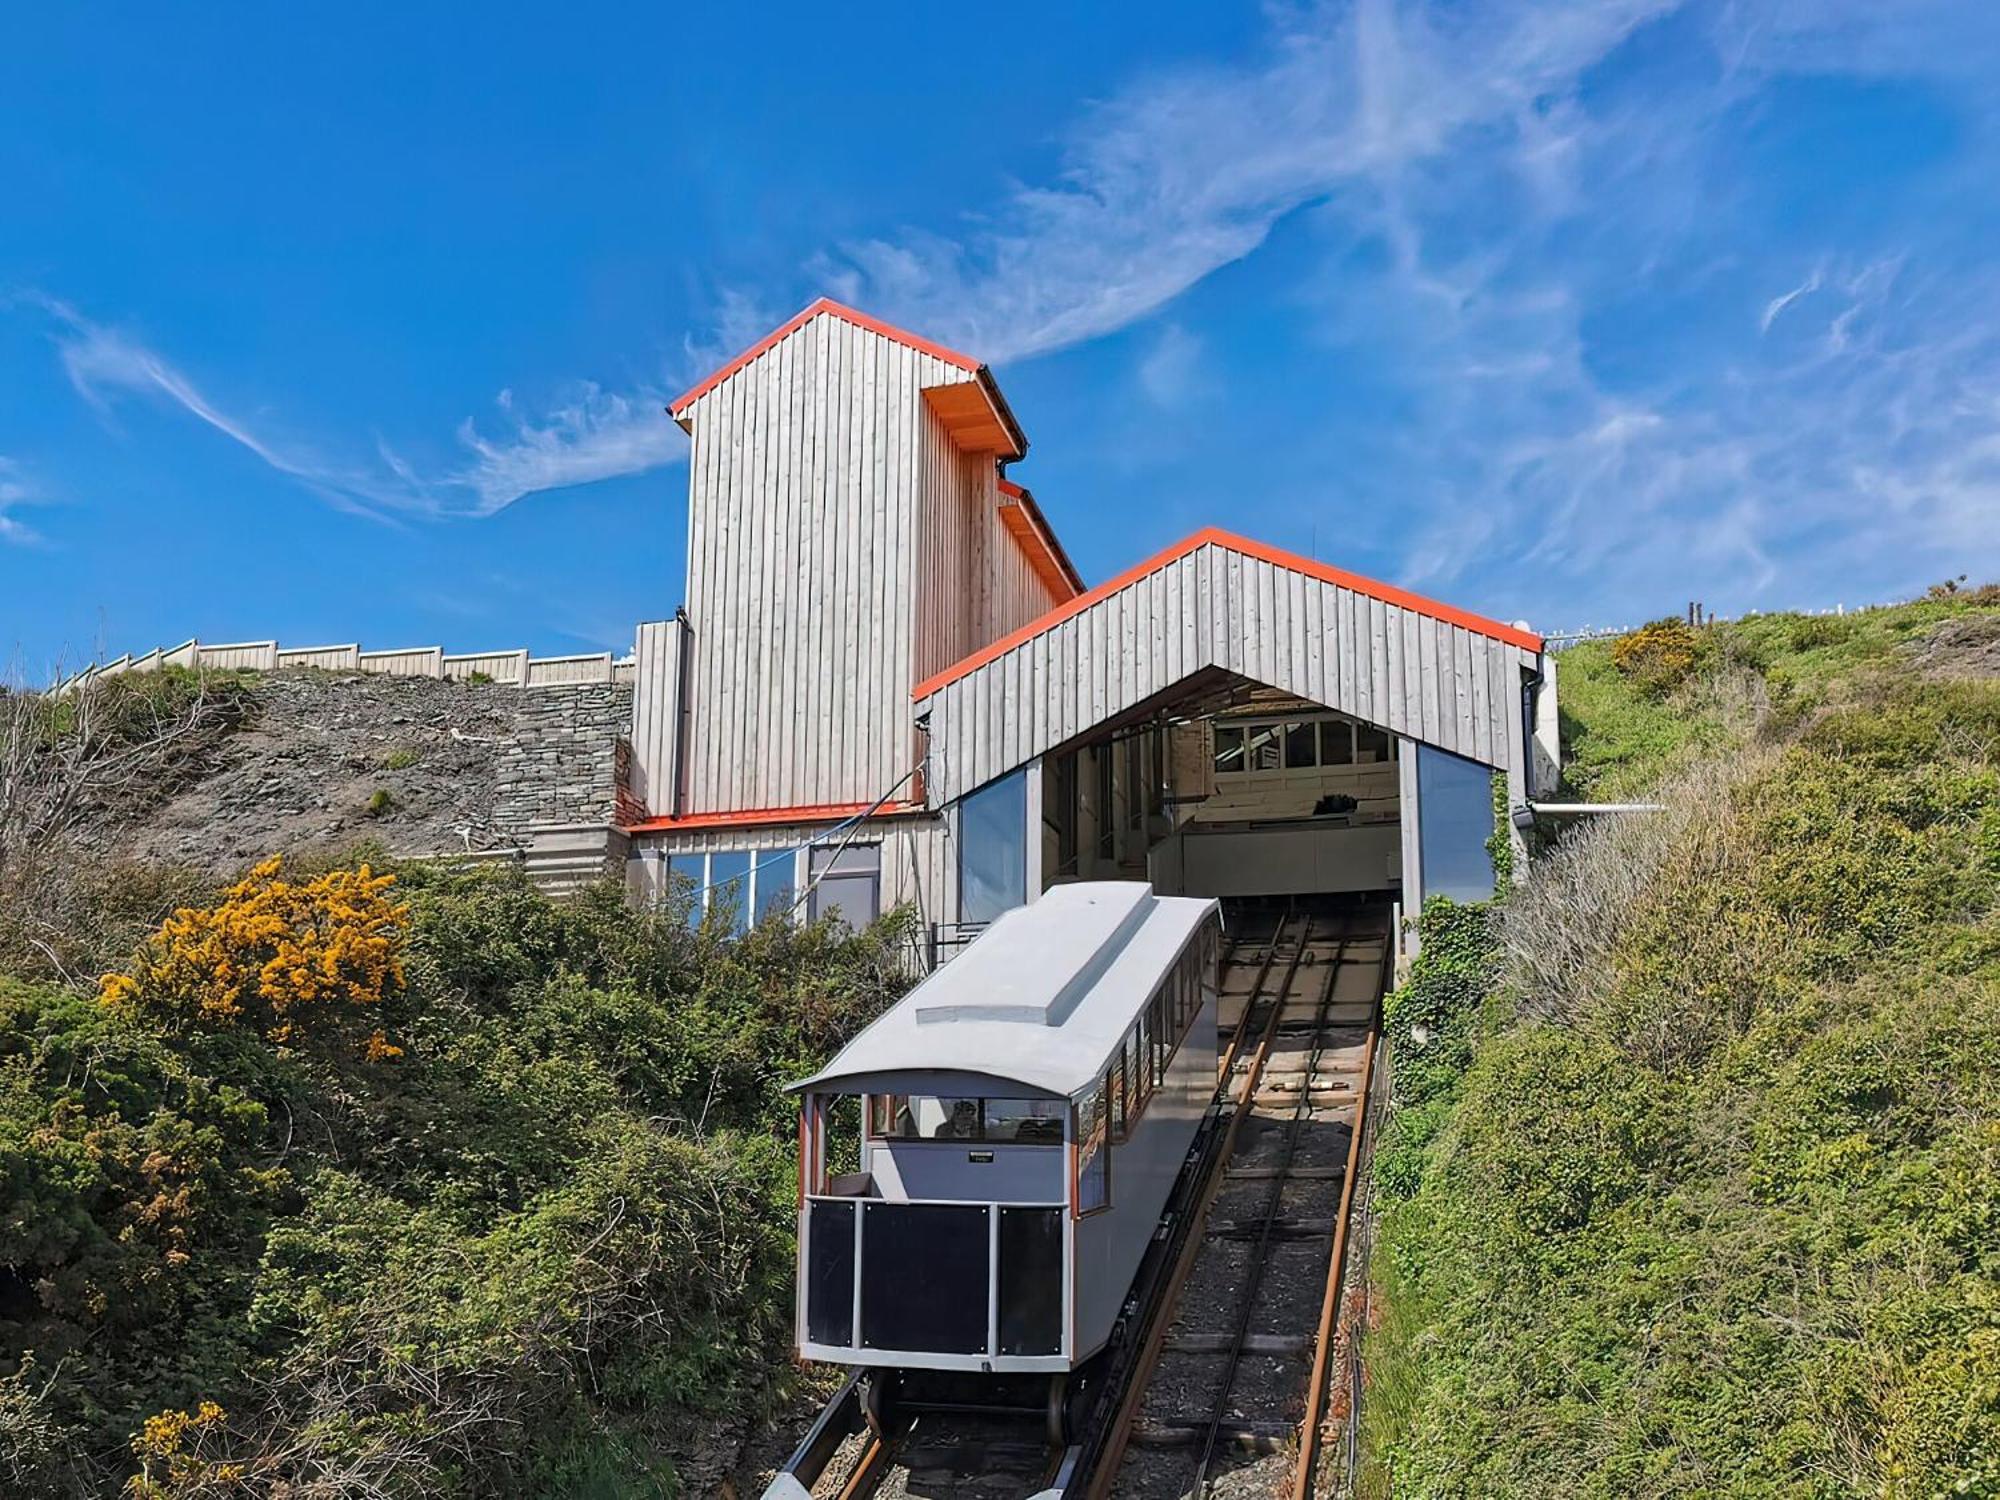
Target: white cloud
590,436
1168,368
1784,300
1185,173
596,435
14,495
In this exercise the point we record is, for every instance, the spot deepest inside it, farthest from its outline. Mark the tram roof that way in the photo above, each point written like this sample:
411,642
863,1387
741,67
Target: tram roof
1042,998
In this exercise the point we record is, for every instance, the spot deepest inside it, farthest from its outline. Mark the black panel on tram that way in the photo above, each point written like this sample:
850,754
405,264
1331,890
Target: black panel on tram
1031,1280
924,1277
830,1273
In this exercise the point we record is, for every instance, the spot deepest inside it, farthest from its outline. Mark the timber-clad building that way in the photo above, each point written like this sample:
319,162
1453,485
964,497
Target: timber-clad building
890,685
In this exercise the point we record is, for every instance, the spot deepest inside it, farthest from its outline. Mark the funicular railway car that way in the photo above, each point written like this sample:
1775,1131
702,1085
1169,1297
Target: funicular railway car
1021,1118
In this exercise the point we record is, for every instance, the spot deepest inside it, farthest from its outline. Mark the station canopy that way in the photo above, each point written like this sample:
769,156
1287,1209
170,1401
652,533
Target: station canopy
1218,609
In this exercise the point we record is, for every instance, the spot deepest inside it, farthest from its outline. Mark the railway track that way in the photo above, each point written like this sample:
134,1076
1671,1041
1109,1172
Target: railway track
1226,1394
1215,1387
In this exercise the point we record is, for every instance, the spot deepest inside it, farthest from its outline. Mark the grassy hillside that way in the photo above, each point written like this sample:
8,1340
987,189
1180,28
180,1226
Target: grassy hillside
1692,1182
425,1188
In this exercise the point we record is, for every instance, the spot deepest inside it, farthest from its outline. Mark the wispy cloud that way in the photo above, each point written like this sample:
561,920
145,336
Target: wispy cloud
1784,300
14,495
594,435
1185,173
1167,370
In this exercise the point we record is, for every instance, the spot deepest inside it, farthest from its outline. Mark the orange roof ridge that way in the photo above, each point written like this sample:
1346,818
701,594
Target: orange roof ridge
800,319
1215,536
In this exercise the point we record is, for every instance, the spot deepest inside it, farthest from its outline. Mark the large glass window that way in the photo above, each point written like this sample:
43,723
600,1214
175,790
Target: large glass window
686,875
848,884
733,886
729,889
1455,819
993,849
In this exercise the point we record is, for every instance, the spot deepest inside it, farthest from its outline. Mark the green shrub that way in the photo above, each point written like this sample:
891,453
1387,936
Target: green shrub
1428,1020
533,1254
1659,656
1716,1209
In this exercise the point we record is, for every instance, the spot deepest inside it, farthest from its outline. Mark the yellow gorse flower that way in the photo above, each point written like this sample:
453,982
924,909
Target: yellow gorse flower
271,951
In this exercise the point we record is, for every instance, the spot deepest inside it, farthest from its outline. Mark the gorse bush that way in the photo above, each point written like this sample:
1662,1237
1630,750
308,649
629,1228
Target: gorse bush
539,1252
271,954
1703,1196
1659,656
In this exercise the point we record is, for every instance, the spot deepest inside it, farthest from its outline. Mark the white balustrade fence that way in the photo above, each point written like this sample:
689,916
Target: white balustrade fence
518,667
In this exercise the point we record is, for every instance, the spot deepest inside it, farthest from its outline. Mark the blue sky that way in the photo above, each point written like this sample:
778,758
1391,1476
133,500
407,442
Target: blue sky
357,321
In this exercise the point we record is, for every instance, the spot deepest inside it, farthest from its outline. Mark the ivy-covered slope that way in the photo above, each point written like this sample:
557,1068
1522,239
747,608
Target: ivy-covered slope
1692,1181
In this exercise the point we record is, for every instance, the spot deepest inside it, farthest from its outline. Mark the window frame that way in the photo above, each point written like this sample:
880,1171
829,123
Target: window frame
761,860
1080,1138
834,875
1262,744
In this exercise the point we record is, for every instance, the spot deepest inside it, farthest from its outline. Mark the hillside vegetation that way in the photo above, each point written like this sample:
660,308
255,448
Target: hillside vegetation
1691,1185
403,1181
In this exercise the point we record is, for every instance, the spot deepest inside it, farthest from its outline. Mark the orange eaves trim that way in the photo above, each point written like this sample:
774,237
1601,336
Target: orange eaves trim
764,817
792,324
1042,560
1019,509
1214,536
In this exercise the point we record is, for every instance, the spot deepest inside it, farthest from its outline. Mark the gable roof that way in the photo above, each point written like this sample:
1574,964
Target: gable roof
824,307
1213,536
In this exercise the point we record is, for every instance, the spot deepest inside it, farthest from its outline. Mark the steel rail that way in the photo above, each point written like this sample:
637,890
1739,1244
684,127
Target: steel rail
1143,1368
1309,1424
1273,1204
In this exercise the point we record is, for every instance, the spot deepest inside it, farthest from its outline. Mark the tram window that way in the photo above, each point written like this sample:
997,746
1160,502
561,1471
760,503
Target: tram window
1301,746
1032,1121
1229,748
1163,1034
1118,1102
843,1136
1372,745
927,1117
1336,742
1093,1160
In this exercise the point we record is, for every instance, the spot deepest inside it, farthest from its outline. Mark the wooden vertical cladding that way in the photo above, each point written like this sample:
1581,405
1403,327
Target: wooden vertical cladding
845,537
1417,668
976,581
656,659
809,486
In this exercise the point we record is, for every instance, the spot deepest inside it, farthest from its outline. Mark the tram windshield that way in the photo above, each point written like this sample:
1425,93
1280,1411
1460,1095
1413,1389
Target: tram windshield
930,1117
